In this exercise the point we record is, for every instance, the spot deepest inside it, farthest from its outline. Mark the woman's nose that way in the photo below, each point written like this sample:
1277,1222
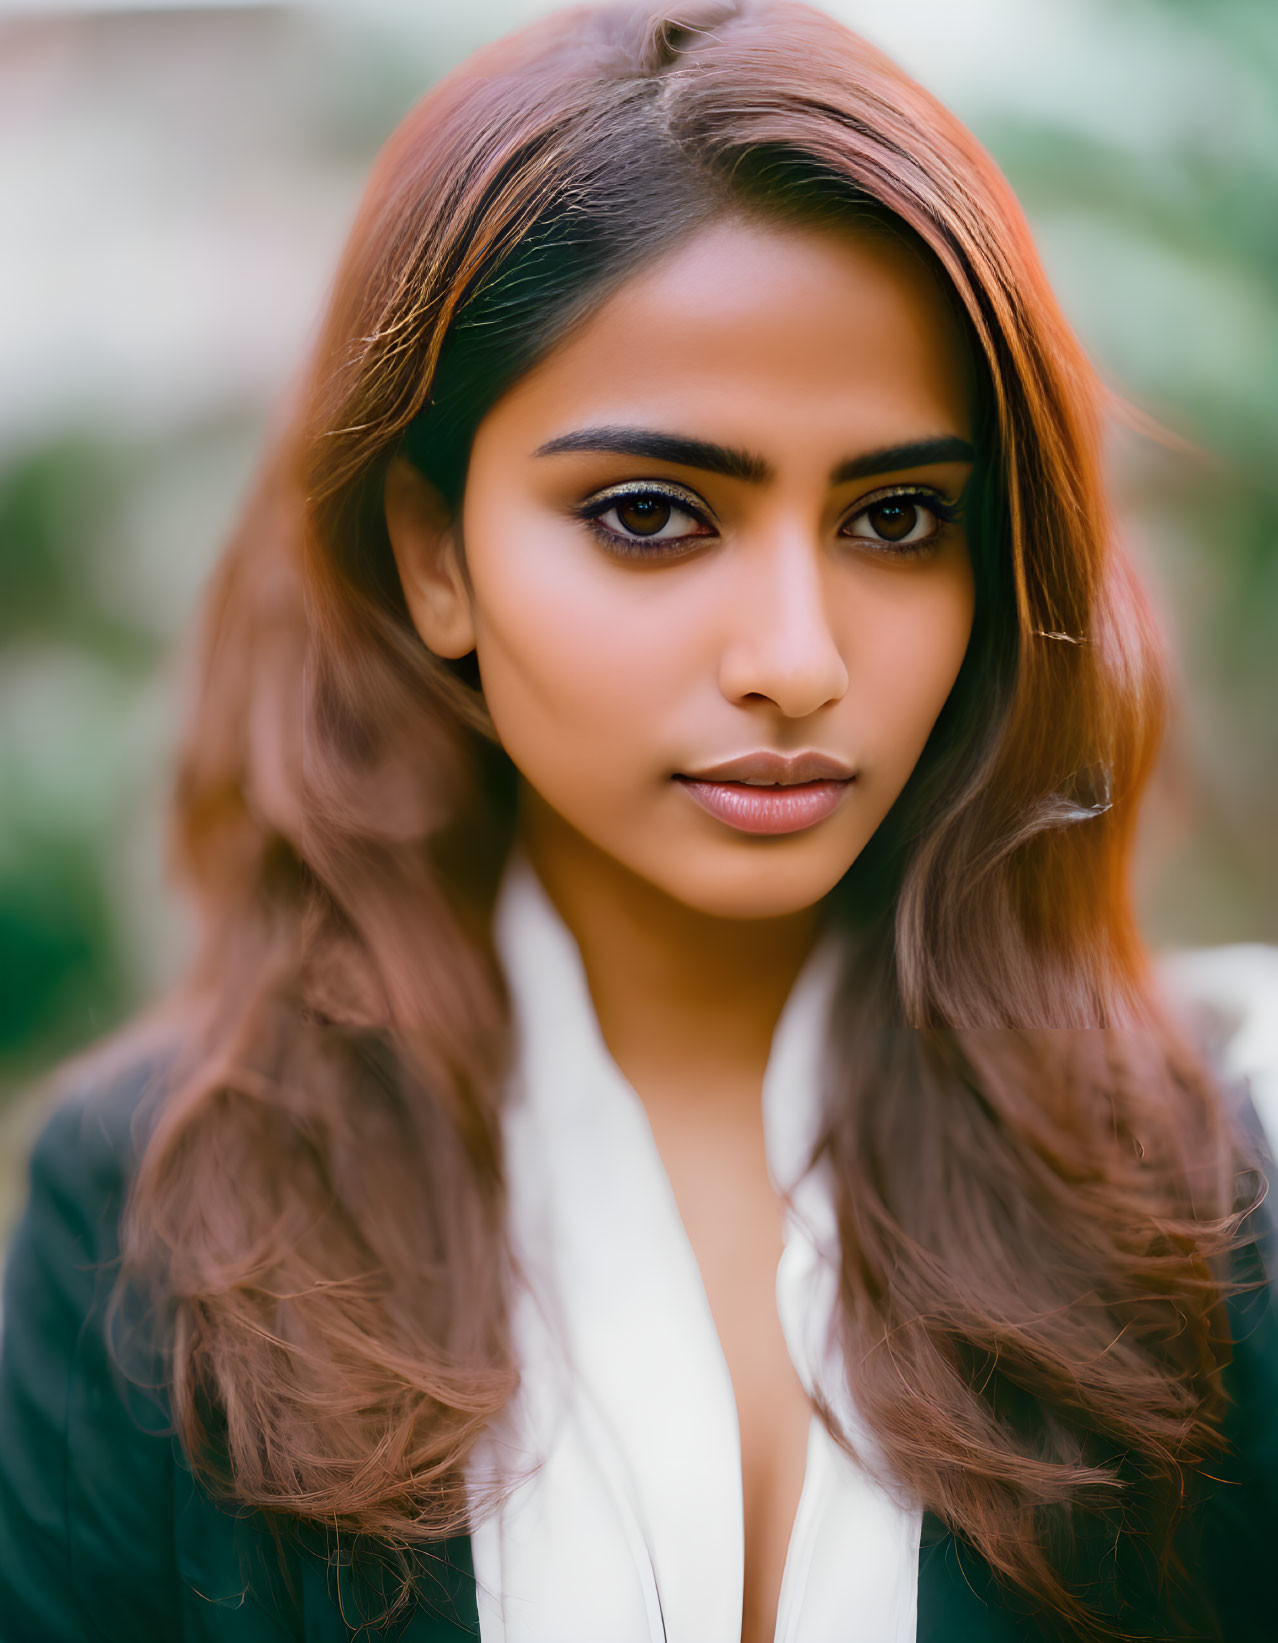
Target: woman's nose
781,645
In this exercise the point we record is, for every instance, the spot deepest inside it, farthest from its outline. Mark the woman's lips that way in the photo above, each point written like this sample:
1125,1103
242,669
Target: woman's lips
780,809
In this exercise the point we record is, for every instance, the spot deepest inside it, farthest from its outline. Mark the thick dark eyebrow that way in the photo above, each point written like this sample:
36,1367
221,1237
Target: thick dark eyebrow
737,464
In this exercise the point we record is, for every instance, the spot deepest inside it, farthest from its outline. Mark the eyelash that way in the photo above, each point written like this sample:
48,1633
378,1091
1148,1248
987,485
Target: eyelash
635,547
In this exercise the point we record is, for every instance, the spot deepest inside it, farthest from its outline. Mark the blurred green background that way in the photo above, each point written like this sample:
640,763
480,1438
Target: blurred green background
175,184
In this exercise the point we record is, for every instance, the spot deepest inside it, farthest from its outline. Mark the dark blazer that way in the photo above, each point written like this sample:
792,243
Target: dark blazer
104,1535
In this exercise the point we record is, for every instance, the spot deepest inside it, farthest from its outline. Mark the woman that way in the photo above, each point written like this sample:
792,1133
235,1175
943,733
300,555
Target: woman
668,1130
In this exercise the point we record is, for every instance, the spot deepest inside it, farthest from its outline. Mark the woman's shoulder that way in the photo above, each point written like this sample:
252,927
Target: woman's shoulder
88,1144
100,1526
78,1176
82,1458
104,1531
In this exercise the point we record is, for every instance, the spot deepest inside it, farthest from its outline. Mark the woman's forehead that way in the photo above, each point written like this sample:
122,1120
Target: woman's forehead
769,337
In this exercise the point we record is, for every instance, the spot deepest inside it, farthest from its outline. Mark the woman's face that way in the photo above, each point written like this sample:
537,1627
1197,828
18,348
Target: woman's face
712,543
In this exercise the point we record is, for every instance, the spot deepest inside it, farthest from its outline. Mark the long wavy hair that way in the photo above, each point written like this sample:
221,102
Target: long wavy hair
1036,1175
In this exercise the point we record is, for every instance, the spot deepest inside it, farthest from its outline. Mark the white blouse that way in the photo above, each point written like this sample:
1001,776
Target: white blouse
628,1526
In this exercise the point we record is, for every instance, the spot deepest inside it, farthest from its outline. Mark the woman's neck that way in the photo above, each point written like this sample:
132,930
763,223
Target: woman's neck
684,999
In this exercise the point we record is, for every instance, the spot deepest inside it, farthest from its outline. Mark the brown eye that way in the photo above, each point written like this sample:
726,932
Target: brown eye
646,520
893,520
644,515
906,519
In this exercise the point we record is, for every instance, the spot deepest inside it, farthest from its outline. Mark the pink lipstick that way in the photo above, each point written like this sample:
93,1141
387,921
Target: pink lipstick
770,793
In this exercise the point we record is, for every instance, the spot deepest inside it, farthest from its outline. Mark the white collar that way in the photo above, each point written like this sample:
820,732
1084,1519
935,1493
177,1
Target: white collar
632,1528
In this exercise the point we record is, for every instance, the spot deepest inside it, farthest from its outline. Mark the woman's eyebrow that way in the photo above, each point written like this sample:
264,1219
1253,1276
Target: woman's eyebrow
738,464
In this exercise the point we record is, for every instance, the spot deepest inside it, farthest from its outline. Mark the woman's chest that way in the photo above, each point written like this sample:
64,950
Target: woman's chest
670,1311
774,1416
734,1224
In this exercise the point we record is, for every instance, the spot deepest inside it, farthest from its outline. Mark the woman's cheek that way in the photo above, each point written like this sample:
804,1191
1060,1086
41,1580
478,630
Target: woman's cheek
573,679
906,657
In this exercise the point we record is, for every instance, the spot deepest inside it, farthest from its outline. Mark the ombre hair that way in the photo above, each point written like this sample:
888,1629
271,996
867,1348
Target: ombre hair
1036,1175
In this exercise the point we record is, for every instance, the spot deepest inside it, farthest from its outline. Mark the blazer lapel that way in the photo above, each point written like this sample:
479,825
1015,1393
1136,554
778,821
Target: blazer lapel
336,1608
958,1601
